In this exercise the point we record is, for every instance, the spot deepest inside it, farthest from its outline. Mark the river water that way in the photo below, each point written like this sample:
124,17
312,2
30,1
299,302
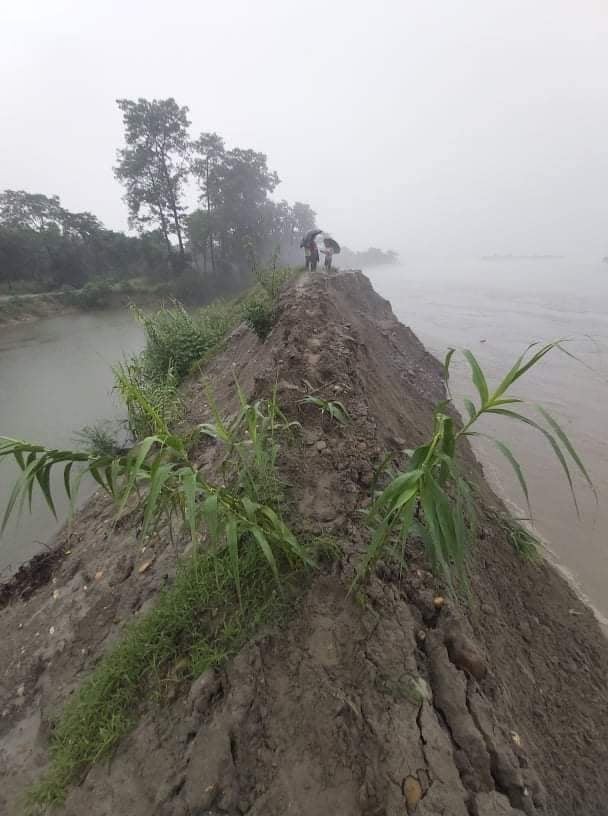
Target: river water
496,308
55,378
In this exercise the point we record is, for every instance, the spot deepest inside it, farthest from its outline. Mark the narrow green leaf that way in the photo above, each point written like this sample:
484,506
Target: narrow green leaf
158,478
446,367
471,410
66,479
261,539
210,511
187,479
508,454
520,368
567,444
556,448
135,460
16,492
478,377
44,480
250,507
232,539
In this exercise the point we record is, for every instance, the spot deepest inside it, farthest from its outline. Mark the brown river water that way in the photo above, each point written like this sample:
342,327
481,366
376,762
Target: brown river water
55,377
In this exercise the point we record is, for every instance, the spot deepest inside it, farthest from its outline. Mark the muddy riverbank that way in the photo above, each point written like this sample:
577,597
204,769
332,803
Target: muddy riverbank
380,702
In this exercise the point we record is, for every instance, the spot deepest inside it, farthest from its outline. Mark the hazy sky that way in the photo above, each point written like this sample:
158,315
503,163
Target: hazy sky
450,126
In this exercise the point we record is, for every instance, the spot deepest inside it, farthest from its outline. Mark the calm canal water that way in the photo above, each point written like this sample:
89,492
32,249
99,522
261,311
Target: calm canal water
55,378
496,308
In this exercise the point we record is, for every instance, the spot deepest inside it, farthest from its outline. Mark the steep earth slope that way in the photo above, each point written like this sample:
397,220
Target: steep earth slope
377,704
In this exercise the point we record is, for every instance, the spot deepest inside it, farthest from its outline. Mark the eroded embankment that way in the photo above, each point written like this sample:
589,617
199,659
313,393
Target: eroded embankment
369,703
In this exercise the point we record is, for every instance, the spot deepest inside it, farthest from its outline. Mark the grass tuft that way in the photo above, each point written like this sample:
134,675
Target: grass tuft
197,623
431,499
524,543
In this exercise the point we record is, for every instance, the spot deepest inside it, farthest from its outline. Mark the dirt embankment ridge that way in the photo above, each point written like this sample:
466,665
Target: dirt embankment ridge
373,706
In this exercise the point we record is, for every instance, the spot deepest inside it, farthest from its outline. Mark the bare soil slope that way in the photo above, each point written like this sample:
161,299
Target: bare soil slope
372,705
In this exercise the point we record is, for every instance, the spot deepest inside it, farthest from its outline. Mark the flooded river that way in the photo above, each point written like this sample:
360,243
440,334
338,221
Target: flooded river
496,308
55,378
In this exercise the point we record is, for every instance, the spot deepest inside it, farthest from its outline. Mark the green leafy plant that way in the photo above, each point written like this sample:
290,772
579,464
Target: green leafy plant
273,279
252,440
260,313
176,340
243,562
173,486
203,618
152,404
94,295
261,309
333,408
524,543
99,439
430,499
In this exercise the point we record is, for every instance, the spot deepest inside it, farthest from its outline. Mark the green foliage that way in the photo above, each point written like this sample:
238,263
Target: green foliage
93,295
431,500
188,287
173,485
45,247
152,405
333,408
98,440
260,313
153,165
196,625
326,548
175,339
221,594
273,279
237,222
526,545
252,441
368,257
261,309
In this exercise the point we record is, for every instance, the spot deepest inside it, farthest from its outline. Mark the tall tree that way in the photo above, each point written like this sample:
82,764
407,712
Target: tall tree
208,155
153,165
245,183
30,210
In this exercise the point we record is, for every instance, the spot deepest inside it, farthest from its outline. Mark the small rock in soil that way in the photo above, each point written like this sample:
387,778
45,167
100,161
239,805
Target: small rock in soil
412,791
146,565
464,654
310,437
121,571
203,690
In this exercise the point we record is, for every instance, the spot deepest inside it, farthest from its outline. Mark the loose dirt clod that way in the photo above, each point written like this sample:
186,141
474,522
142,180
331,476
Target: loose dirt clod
385,701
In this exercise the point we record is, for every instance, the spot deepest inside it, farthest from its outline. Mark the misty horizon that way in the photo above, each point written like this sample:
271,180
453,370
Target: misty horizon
425,130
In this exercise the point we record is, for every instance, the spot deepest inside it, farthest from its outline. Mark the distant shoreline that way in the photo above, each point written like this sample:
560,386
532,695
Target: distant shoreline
522,257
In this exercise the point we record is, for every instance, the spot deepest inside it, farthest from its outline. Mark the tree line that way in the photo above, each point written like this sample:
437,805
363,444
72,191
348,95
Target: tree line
234,227
45,246
367,257
236,224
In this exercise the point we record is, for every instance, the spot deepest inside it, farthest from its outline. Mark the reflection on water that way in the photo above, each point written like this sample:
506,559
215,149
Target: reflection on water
55,377
496,309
